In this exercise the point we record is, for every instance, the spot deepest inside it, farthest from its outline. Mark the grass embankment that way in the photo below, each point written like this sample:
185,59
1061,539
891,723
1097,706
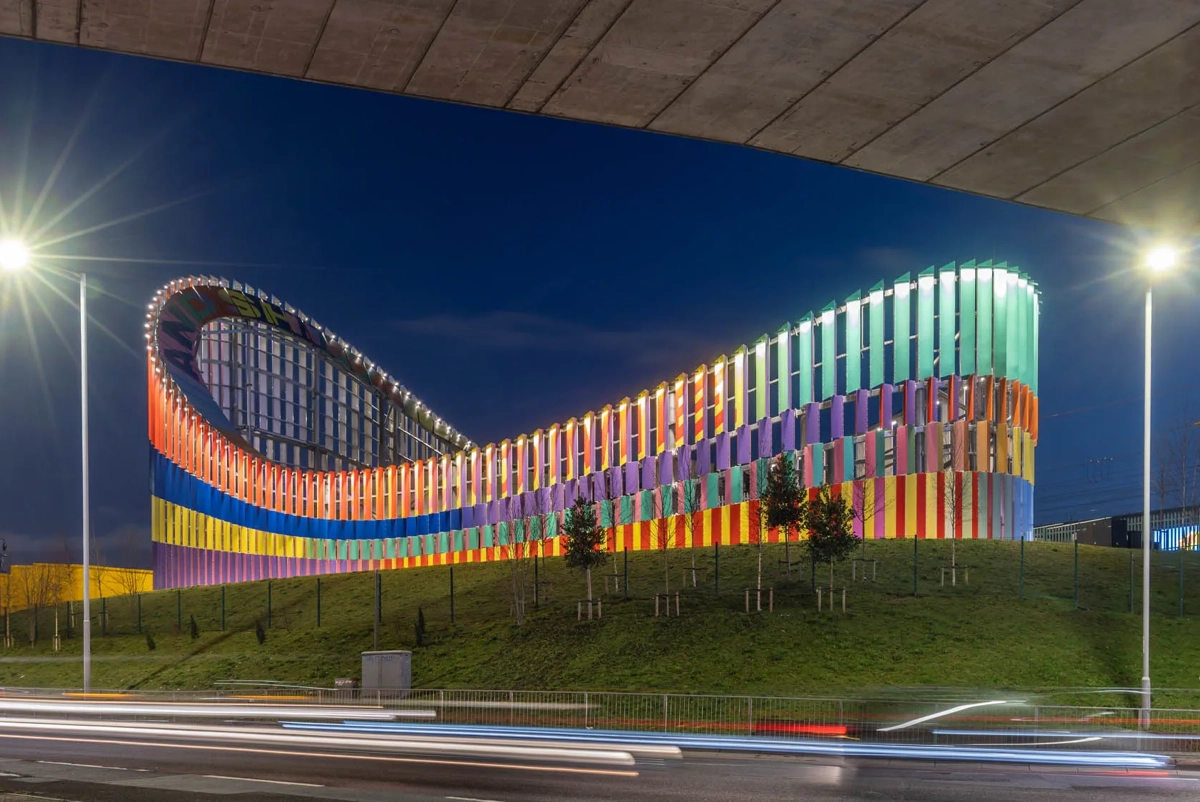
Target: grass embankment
976,635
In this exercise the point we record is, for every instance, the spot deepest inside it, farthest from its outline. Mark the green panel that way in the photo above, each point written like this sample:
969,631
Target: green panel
926,289
804,359
1000,313
818,464
626,509
853,343
473,538
458,540
848,459
378,549
735,485
1016,333
647,505
901,329
877,335
983,319
880,436
783,371
489,536
762,356
712,490
1013,342
947,291
966,321
1033,345
829,351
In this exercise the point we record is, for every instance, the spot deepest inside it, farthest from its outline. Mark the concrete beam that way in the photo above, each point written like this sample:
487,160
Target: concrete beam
16,17
1084,45
166,28
1169,204
278,38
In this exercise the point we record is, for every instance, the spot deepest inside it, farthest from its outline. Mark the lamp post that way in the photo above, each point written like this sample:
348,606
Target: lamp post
15,257
1157,262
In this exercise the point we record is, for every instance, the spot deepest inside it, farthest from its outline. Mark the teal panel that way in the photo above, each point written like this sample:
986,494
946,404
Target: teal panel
647,504
1000,313
1017,332
966,320
473,538
712,495
735,485
1013,340
984,296
379,550
783,370
762,390
947,292
853,343
880,436
443,544
877,336
390,549
489,537
804,359
430,545
551,526
847,459
829,351
626,509
818,464
901,329
926,290
1033,345
458,540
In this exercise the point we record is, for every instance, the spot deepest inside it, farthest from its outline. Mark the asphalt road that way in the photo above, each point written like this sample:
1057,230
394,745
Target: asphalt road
122,769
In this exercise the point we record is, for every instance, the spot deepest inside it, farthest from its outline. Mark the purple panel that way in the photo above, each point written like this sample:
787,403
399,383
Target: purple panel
787,430
812,424
683,462
614,478
598,490
480,514
544,502
860,412
885,405
910,403
743,449
493,511
665,474
558,494
502,510
571,491
649,468
631,477
703,458
764,439
837,418
468,517
722,443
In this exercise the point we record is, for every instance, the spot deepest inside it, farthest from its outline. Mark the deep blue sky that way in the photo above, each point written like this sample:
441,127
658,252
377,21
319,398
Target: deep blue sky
512,270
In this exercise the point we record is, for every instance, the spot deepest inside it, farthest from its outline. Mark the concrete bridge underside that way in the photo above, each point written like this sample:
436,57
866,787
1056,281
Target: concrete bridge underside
1084,106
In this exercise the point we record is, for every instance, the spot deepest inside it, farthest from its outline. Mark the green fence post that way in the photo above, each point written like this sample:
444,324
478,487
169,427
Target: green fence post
1022,569
222,608
318,601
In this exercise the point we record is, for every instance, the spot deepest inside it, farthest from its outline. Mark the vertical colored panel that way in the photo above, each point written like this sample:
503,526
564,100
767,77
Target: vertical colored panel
901,329
606,437
966,320
718,391
783,369
554,451
1012,346
828,352
877,336
681,430
522,467
818,465
623,433
1035,311
643,425
538,457
1000,315
854,306
984,297
762,387
926,286
737,404
946,321
699,403
804,360
588,443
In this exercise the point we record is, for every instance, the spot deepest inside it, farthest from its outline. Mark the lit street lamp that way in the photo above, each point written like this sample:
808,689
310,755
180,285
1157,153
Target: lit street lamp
1158,262
14,257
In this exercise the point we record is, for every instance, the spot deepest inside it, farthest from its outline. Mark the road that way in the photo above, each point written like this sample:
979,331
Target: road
122,767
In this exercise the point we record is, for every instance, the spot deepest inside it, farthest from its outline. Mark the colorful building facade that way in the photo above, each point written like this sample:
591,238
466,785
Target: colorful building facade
277,450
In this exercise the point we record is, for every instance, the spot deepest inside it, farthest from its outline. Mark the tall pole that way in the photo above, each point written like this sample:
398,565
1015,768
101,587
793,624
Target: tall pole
1146,530
87,548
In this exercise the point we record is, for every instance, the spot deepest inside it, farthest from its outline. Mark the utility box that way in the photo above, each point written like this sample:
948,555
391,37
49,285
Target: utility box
387,671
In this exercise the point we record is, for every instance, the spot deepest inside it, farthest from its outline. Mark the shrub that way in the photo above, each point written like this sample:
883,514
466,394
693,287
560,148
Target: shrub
193,627
150,642
260,633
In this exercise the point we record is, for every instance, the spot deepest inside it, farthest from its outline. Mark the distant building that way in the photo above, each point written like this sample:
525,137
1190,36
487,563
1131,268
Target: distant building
278,450
1172,529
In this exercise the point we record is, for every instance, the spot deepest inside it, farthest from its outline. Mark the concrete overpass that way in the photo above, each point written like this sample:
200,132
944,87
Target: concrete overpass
1084,106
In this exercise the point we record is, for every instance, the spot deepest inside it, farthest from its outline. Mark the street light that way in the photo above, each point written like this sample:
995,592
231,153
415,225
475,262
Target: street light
1158,261
14,257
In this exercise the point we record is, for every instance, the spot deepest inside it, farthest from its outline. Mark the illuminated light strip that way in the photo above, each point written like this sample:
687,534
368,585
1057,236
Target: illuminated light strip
1033,755
941,714
208,710
284,739
330,755
1114,734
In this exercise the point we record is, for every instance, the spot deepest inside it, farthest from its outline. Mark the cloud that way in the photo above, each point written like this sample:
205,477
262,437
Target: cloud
500,332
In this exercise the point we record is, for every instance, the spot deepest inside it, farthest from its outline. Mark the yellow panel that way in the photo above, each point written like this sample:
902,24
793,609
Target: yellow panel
931,504
910,506
967,502
889,507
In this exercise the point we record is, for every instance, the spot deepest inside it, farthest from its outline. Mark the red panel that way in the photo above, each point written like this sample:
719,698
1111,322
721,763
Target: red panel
920,479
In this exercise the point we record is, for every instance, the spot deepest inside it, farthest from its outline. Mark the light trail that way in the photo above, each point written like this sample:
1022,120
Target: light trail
941,714
212,710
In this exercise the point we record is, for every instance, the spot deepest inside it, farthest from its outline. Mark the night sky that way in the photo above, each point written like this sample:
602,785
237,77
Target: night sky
512,270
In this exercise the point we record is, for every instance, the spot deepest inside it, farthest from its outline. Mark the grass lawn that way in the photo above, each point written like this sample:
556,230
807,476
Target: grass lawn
975,635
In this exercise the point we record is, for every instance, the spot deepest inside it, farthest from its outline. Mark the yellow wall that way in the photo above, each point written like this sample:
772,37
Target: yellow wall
50,583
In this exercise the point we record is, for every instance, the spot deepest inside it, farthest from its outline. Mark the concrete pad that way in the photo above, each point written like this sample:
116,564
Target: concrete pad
485,50
928,51
166,28
377,45
277,38
649,56
794,47
1156,87
1151,156
1082,46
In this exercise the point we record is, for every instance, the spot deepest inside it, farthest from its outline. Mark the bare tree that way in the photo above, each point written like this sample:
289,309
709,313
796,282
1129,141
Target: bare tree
664,531
127,578
958,503
759,523
691,516
37,586
515,551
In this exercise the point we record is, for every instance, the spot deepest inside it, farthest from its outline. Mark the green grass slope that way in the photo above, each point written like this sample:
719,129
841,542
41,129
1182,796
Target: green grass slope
980,634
